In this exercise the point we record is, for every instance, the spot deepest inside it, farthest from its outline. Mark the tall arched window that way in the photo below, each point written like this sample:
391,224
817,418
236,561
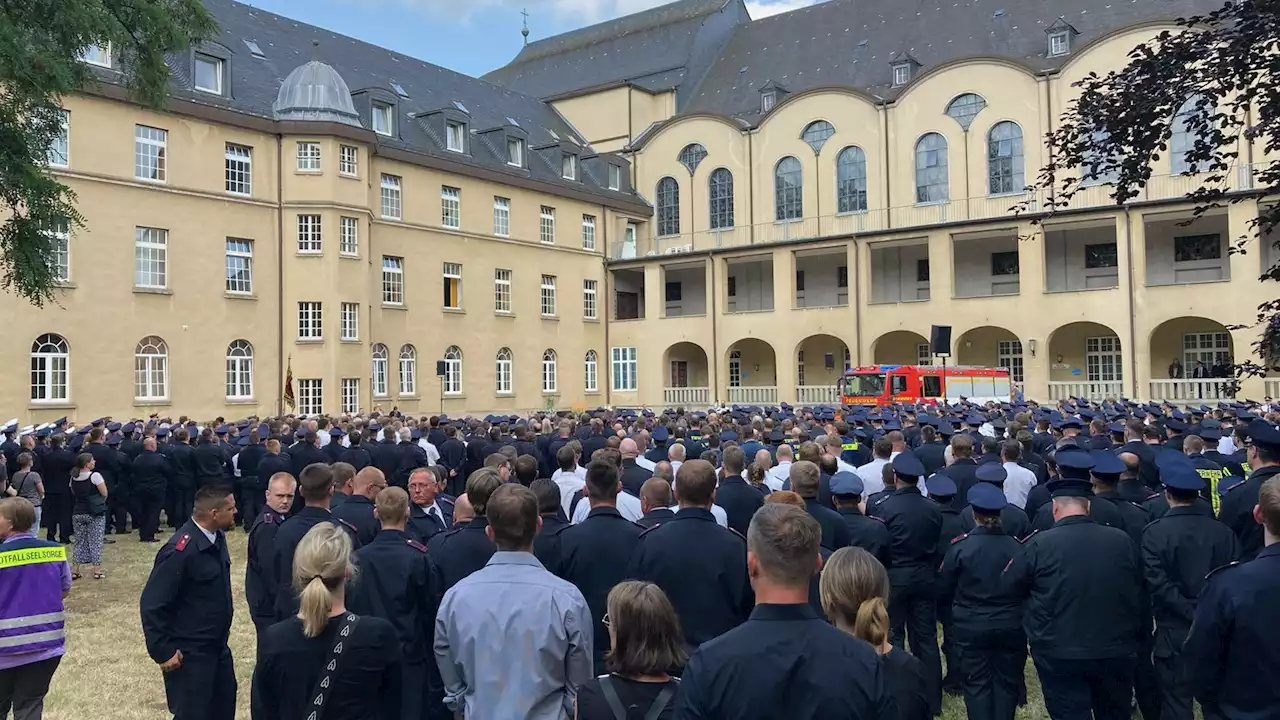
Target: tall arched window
817,134
931,169
240,370
151,369
721,194
50,369
692,156
1004,159
380,370
668,207
965,108
592,365
453,371
502,372
408,370
549,371
735,368
788,190
851,180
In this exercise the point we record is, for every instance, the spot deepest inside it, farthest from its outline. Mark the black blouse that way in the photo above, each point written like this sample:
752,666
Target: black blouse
637,697
908,683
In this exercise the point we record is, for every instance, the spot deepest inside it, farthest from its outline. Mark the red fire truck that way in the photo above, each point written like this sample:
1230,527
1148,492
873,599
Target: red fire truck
888,384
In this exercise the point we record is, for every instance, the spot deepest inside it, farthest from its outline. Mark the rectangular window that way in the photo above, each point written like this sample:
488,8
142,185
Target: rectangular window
59,233
842,276
591,382
349,322
208,76
150,153
922,270
1209,348
310,326
547,225
350,396
589,311
548,295
924,356
455,136
1102,255
99,55
1059,44
453,286
151,257
391,197
767,102
1004,263
731,286
502,291
310,396
1194,248
239,266
239,170
349,160
515,152
392,280
382,118
901,74
501,216
615,177
588,232
450,207
349,236
309,234
1102,359
624,368
569,166
309,156
59,153
1009,355
674,292
799,281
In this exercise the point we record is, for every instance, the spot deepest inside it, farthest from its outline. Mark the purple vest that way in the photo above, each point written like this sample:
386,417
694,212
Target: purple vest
31,613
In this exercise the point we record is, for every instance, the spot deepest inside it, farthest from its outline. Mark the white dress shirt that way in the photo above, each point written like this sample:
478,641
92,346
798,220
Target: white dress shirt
433,455
1227,445
722,519
872,475
646,463
778,475
628,507
570,483
1018,484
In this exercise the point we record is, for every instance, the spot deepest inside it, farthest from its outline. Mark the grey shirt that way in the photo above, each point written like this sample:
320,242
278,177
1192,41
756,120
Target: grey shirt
25,482
513,641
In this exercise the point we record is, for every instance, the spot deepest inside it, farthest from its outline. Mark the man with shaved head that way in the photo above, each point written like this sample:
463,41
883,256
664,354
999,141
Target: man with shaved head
357,509
633,476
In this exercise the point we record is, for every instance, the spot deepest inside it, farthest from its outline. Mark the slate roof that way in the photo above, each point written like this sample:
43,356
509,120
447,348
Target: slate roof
850,43
653,48
286,44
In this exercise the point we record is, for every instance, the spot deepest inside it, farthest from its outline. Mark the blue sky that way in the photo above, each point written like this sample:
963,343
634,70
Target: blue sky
470,36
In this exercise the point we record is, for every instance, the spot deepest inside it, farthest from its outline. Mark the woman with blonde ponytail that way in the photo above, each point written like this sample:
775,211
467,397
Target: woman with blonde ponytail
855,596
350,664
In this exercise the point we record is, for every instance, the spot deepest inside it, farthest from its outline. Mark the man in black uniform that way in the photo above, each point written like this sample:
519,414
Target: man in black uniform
963,468
805,478
1074,464
308,453
106,463
1013,521
1105,476
868,533
1212,471
655,502
986,621
739,500
915,524
594,553
151,474
356,456
186,612
56,508
1063,576
316,487
942,491
932,451
252,486
429,512
183,459
210,462
708,587
399,584
811,670
357,509
1179,550
260,582
1238,503
546,544
466,548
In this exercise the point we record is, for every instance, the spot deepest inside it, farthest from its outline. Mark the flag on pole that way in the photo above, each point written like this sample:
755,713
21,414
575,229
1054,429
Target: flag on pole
289,400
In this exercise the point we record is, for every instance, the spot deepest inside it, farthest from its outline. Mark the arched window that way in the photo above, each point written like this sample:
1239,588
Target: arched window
408,370
965,108
721,194
549,371
503,372
692,156
788,190
1004,159
735,368
380,370
817,134
592,365
50,369
931,169
1182,140
240,370
851,180
453,371
151,369
668,207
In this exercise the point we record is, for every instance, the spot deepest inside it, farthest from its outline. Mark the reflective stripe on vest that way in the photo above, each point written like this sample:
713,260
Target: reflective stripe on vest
849,446
33,638
10,623
32,556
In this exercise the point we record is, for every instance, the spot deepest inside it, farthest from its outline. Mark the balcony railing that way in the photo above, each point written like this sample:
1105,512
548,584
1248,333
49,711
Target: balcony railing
817,395
1063,390
1159,187
686,396
1191,391
753,395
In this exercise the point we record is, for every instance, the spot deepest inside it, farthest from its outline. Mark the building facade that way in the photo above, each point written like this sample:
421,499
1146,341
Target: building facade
682,206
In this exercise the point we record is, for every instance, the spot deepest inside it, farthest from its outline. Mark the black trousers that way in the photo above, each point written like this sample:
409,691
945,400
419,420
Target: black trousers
23,688
56,516
184,497
913,617
149,500
954,679
991,668
204,687
249,501
118,509
422,699
1146,684
1093,689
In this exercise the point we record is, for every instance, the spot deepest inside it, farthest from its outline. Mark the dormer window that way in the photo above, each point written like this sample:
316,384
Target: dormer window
615,177
569,166
901,74
382,116
767,101
99,55
209,74
515,152
455,136
1059,43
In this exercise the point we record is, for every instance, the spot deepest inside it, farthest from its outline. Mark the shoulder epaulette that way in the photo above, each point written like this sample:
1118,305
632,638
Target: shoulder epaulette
415,544
650,529
877,518
1219,569
182,542
735,532
882,499
347,525
959,538
455,531
1242,483
269,517
1028,538
1152,496
561,529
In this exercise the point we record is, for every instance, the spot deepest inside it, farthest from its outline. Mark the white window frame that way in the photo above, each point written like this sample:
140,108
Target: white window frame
349,164
59,152
151,258
378,372
450,207
1207,347
349,236
408,371
924,354
591,370
901,74
310,320
310,396
50,369
588,232
502,291
309,156
515,152
391,201
504,382
310,234
615,177
547,225
1103,360
350,396
239,170
455,136
590,308
383,119
453,271
349,322
549,382
1009,355
1059,43
60,236
568,166
501,216
392,280
219,73
547,295
96,55
623,369
451,384
239,250
150,153
151,369
735,368
239,370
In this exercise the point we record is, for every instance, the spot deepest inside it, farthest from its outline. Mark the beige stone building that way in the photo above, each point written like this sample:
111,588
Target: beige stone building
679,206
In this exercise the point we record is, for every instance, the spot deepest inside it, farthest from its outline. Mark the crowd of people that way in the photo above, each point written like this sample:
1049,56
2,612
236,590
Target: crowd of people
745,562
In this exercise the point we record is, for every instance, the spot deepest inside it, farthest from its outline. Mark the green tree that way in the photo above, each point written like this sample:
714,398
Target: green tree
1218,78
40,45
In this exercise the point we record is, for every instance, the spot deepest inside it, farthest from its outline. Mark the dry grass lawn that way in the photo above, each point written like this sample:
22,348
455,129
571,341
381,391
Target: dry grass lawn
107,674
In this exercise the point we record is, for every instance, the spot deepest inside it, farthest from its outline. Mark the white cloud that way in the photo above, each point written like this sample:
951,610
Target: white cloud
765,8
